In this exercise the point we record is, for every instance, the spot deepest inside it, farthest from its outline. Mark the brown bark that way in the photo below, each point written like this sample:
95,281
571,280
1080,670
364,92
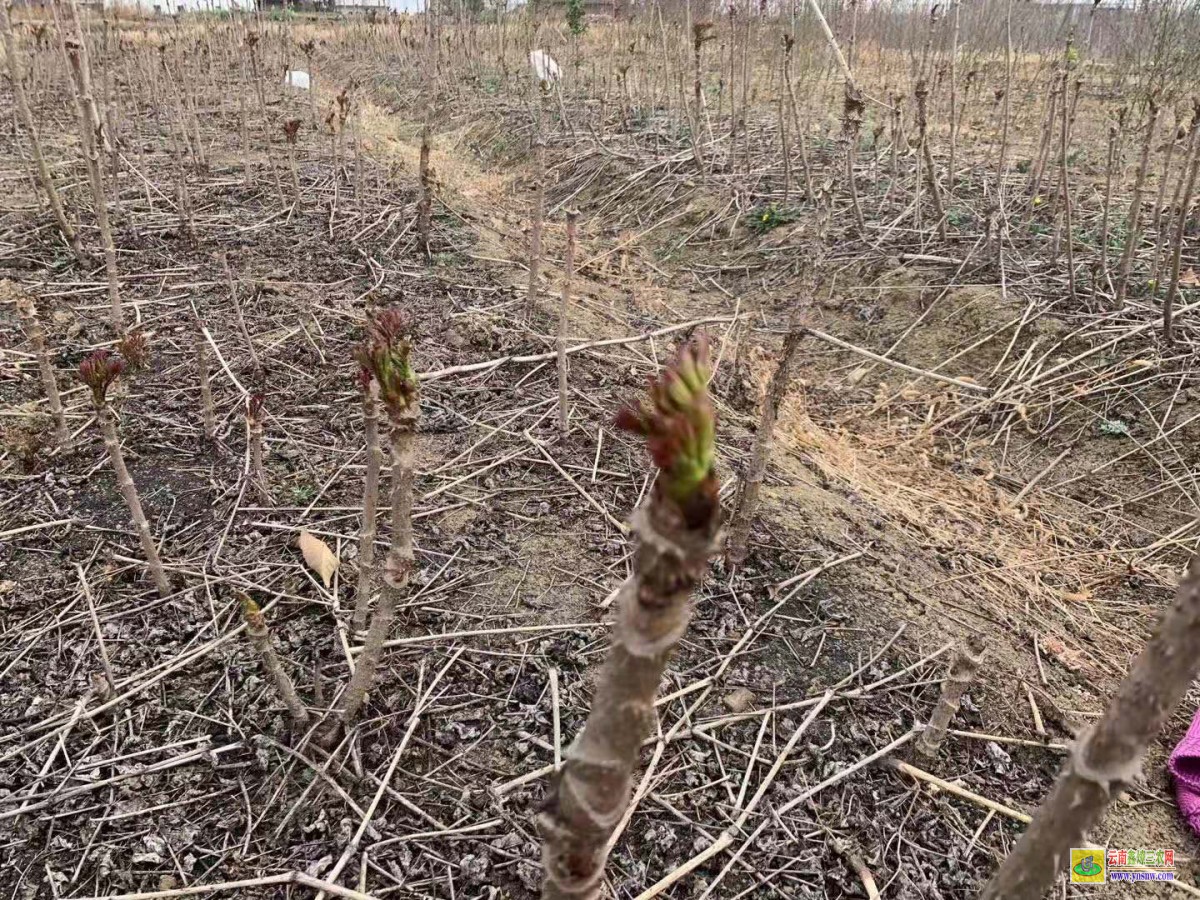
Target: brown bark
593,789
108,428
1107,757
260,638
958,679
366,538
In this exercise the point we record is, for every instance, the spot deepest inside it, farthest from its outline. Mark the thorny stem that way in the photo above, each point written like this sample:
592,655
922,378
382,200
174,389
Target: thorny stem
677,534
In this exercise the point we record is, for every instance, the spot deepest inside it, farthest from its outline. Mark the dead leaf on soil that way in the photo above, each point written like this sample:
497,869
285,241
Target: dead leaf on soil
318,556
1189,278
1069,657
739,701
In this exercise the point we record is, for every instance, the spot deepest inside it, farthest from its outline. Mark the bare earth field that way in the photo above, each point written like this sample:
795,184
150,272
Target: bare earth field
1004,459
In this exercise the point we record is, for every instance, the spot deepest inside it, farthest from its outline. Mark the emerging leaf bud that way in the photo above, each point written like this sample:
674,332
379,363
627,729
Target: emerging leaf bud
385,356
135,349
679,424
98,371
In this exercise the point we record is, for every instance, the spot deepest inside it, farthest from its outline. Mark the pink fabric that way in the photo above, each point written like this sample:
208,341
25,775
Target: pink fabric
1185,766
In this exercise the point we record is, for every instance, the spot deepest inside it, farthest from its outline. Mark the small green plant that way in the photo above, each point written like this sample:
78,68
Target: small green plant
767,218
449,260
1114,428
302,494
576,17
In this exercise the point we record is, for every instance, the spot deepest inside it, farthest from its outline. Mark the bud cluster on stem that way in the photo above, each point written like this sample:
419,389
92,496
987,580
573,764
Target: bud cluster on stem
678,531
386,355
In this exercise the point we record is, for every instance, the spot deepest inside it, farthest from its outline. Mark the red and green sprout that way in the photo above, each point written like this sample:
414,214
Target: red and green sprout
678,422
384,356
98,371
